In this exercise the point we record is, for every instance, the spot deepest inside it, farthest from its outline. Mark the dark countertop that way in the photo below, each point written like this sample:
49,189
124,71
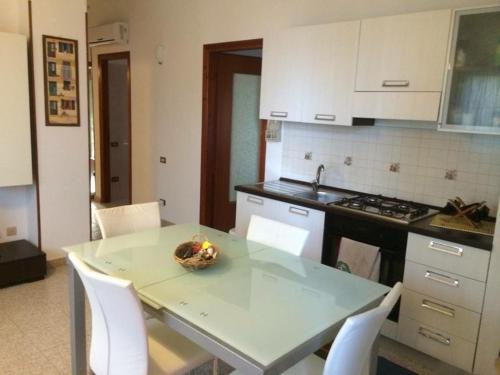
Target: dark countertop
284,190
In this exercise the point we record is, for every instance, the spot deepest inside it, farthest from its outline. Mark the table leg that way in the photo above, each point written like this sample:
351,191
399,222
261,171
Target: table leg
374,357
77,323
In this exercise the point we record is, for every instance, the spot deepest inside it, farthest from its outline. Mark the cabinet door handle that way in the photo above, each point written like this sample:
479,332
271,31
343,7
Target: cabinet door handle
298,211
395,83
255,200
279,114
434,336
444,248
441,279
325,117
445,310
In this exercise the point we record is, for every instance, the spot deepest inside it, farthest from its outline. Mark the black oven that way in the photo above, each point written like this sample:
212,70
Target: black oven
390,240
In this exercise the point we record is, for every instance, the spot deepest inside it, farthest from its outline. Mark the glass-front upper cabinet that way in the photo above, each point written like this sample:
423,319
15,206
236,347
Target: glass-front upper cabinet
472,97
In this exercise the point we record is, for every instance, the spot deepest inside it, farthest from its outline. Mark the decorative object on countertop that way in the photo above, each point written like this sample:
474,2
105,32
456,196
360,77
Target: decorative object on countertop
196,254
465,217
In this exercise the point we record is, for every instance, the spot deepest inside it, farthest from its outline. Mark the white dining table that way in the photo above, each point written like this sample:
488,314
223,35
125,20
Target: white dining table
258,308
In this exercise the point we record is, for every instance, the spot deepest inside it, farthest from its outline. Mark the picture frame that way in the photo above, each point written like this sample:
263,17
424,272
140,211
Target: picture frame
60,64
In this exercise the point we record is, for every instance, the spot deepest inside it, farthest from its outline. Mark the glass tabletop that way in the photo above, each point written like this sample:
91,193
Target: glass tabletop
265,304
147,257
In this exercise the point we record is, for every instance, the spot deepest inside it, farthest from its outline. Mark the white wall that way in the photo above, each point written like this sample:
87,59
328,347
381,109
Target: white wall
62,152
167,99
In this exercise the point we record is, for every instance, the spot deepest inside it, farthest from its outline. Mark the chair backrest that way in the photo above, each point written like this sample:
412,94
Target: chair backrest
128,219
119,343
278,235
351,349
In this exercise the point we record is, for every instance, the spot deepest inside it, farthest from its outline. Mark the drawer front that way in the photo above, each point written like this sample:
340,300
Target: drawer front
445,286
436,343
307,218
248,205
450,318
462,260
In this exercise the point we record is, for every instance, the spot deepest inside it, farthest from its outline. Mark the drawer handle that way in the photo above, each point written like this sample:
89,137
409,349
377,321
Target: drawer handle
442,279
279,114
298,211
444,248
255,200
395,83
428,334
438,308
325,117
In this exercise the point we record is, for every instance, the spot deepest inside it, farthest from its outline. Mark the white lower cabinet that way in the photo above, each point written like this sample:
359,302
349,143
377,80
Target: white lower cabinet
437,343
442,300
303,217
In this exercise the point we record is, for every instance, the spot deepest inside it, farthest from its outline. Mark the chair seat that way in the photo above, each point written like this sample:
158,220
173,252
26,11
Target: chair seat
312,365
171,353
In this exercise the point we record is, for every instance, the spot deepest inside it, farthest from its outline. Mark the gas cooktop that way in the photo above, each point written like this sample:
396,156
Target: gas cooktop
385,208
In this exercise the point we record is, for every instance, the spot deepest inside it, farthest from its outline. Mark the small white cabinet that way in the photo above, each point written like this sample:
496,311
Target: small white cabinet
401,66
303,217
404,52
442,301
282,76
15,134
308,74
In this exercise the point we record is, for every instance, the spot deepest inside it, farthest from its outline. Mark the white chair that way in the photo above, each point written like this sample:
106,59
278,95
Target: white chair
276,234
351,350
123,343
128,219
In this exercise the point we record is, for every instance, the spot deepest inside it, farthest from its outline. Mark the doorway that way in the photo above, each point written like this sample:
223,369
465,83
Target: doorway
115,149
233,137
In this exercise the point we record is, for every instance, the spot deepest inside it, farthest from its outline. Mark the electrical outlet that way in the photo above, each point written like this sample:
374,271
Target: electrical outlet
11,231
163,160
163,202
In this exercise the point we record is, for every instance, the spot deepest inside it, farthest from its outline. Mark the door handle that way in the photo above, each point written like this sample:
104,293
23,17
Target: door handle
438,308
395,83
298,211
434,336
442,279
255,200
279,114
325,117
444,248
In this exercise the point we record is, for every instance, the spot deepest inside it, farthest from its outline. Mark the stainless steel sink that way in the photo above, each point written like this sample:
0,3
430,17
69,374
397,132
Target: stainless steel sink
320,196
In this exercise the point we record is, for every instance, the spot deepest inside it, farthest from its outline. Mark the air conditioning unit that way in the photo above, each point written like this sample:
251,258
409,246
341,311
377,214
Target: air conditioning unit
108,34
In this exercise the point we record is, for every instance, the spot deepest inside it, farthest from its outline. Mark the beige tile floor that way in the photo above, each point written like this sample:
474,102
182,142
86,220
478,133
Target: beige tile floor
34,333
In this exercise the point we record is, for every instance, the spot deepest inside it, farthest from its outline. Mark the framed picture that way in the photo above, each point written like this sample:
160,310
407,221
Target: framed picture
60,63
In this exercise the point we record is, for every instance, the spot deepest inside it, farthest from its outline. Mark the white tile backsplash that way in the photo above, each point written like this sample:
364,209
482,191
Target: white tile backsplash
423,153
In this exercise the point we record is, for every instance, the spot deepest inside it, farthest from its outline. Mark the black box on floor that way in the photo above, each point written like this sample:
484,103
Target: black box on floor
21,261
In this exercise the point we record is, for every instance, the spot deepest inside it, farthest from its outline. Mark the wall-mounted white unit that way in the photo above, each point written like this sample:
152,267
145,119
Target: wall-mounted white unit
401,66
15,131
108,34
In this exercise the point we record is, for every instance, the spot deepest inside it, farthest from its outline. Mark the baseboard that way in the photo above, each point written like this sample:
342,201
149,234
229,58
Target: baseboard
57,262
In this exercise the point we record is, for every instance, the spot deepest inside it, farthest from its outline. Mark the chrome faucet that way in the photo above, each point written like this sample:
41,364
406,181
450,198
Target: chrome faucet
315,183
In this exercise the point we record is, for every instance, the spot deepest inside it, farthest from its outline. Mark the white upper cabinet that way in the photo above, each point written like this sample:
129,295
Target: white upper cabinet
472,98
330,71
404,52
15,134
308,74
282,76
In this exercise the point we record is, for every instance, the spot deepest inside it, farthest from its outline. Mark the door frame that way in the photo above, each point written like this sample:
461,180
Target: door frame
208,122
105,178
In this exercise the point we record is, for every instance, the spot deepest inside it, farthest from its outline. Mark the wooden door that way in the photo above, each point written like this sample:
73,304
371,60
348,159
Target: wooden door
403,53
227,68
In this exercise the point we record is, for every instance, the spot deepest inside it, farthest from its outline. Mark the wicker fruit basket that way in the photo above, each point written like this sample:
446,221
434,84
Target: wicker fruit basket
196,254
